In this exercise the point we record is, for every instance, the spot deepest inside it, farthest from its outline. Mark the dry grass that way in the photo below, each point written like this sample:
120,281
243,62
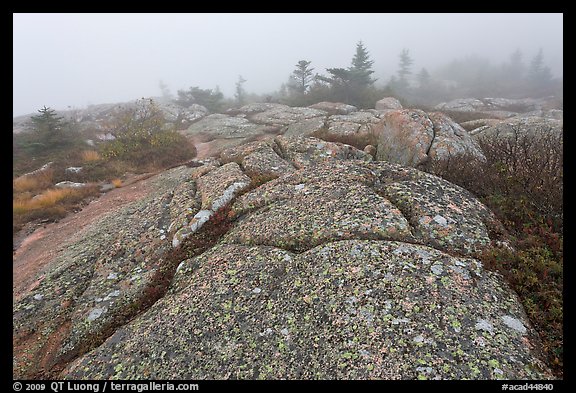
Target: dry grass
50,205
46,199
34,182
90,155
117,183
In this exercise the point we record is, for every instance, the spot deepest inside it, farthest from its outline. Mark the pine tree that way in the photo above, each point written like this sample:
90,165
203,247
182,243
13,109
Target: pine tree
423,78
362,67
516,67
302,76
240,92
49,126
538,73
405,64
351,85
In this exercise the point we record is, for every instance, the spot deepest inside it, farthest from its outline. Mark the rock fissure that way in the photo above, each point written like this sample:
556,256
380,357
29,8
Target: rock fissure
432,140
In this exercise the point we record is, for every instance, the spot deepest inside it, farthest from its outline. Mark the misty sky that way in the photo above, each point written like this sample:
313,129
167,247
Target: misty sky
73,60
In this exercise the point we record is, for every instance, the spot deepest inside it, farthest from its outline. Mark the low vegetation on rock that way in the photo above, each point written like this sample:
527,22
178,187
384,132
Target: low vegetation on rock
522,182
143,142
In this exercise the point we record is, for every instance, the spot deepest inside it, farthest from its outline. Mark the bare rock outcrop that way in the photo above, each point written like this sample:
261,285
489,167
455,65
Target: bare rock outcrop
342,269
290,257
412,136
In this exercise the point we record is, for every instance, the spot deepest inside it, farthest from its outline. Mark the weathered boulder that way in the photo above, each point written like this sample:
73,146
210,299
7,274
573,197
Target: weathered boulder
474,124
282,115
176,113
258,159
450,139
462,105
334,108
219,126
502,108
306,127
405,137
69,184
307,151
510,127
388,103
411,137
258,107
356,129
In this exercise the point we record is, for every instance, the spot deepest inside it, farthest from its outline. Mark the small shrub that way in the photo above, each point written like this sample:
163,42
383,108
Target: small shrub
90,155
143,141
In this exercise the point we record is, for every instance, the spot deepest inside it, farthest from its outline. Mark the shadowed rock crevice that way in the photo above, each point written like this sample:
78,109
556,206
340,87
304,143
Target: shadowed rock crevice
431,141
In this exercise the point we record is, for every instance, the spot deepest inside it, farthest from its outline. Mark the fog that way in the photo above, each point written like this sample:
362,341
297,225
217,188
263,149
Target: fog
74,60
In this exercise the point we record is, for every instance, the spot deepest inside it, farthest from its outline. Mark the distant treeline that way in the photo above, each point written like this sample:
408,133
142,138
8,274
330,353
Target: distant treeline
471,76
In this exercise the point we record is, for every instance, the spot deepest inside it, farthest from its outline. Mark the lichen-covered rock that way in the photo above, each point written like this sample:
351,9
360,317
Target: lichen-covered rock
258,107
306,151
306,127
388,103
224,126
339,268
442,214
176,113
212,186
355,309
97,280
258,159
334,108
450,139
266,163
318,209
405,137
462,105
282,115
503,108
423,209
217,188
520,125
411,137
474,124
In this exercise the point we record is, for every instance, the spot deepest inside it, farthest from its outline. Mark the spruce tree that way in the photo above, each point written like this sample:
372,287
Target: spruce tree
302,76
240,92
361,68
351,85
405,64
48,125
